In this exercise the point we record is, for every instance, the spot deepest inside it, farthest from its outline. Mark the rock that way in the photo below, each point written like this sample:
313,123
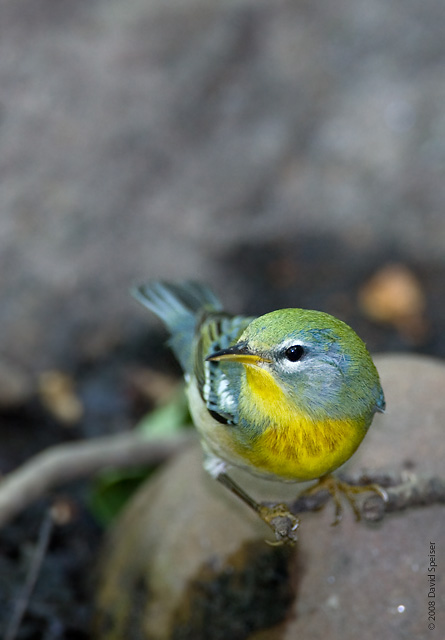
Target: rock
370,581
184,556
186,560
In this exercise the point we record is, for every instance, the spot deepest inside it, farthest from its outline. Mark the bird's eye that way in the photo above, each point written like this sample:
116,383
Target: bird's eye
294,353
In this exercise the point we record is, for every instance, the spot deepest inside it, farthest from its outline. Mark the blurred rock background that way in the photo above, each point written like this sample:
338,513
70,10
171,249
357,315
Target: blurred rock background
276,150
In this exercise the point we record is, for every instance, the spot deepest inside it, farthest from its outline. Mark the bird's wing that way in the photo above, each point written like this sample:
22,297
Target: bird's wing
219,382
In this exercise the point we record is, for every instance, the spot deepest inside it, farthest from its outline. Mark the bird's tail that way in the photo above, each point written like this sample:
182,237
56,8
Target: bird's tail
179,306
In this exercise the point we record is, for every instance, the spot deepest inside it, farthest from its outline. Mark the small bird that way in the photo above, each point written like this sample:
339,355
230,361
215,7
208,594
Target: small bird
288,395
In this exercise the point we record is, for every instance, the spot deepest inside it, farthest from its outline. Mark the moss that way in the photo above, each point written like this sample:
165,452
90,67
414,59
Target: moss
252,591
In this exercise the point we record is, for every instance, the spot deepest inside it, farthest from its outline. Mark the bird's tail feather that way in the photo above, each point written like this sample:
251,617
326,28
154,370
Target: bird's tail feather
178,305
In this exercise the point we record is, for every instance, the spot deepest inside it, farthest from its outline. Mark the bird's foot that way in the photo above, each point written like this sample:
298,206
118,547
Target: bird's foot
337,487
278,517
283,523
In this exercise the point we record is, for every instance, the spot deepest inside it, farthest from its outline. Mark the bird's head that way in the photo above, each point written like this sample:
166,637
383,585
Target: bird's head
318,361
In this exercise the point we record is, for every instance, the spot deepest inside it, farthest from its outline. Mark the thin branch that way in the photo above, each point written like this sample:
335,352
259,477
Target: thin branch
63,463
35,565
403,489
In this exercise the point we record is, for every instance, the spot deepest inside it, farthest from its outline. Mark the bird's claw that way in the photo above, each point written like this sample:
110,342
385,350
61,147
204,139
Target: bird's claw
336,487
283,523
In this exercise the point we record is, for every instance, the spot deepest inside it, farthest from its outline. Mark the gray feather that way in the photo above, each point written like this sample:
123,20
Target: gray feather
180,306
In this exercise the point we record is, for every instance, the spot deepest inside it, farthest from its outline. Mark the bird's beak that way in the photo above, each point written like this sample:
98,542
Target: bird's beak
238,353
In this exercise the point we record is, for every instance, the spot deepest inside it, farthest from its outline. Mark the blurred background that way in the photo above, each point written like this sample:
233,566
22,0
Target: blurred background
278,152
288,153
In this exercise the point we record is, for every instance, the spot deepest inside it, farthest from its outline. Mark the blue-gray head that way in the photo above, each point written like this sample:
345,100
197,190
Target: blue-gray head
319,361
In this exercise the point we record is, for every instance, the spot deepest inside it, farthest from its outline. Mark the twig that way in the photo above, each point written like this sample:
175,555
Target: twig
24,597
62,463
412,491
404,489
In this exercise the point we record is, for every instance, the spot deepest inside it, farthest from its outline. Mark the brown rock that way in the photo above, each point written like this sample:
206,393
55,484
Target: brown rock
370,581
185,551
188,561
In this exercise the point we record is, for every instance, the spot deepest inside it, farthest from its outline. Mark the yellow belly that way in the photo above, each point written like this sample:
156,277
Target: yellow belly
303,450
293,445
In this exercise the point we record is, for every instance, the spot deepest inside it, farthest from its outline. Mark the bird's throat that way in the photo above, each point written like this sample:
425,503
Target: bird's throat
288,442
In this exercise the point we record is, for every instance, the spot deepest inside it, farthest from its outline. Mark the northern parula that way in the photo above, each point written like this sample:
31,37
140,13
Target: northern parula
289,395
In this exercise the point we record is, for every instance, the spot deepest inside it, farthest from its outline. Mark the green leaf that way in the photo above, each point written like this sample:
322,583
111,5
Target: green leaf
113,488
167,420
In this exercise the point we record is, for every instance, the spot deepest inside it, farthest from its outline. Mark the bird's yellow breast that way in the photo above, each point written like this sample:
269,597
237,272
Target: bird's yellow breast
292,445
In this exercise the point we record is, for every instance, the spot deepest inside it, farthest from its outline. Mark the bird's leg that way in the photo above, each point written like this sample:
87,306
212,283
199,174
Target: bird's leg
335,487
278,517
